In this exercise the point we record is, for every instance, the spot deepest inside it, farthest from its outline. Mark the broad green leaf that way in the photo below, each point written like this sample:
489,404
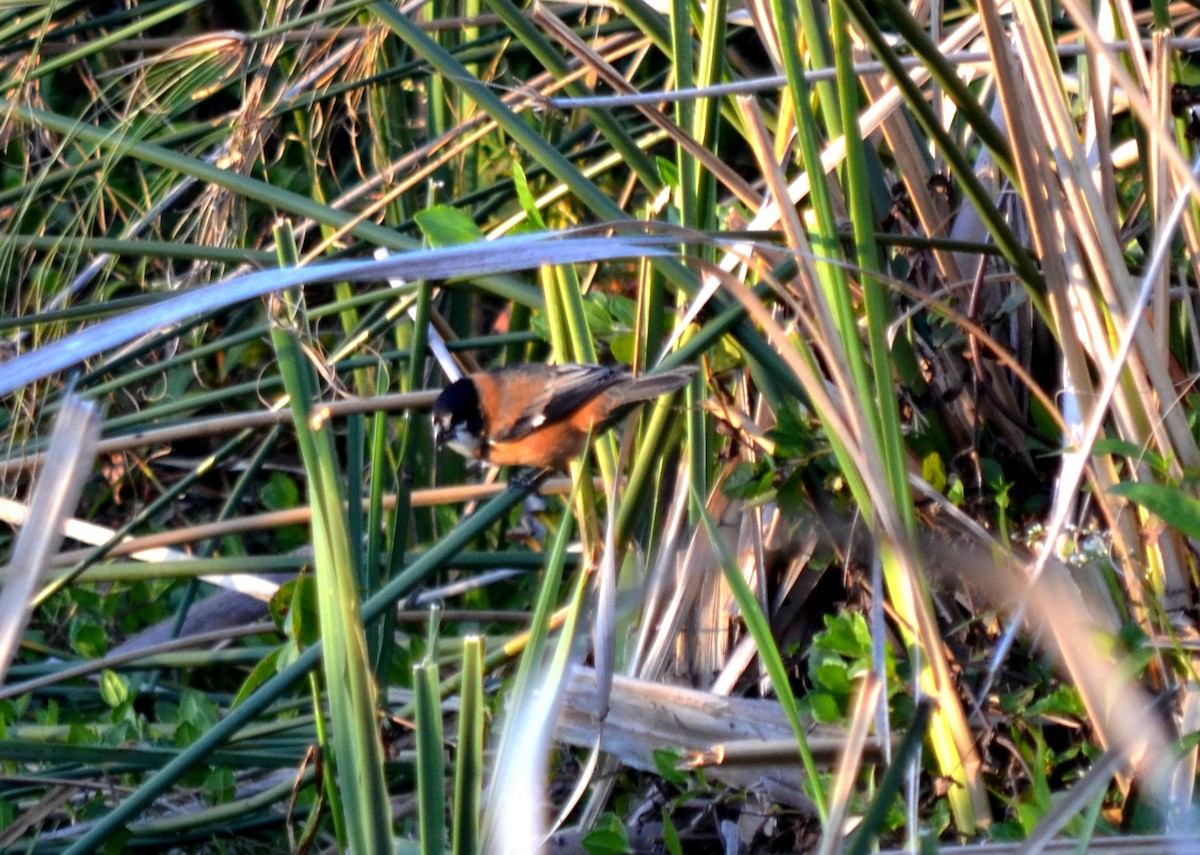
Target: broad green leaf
1175,507
607,838
444,226
88,639
933,470
279,493
259,674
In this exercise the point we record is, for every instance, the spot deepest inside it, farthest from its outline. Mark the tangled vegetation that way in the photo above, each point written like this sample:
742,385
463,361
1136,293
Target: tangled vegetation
909,562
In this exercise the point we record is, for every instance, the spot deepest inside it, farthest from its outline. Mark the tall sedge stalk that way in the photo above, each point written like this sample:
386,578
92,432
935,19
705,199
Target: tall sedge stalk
468,763
866,398
431,765
358,754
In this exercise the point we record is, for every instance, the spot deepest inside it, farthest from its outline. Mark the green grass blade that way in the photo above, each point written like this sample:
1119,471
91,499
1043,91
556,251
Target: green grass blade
253,706
358,754
468,765
431,760
760,630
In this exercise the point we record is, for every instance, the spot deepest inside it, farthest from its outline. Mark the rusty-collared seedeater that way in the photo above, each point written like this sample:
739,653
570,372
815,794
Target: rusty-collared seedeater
541,415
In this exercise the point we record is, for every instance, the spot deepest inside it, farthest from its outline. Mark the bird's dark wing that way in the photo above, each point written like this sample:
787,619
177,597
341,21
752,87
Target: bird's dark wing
567,388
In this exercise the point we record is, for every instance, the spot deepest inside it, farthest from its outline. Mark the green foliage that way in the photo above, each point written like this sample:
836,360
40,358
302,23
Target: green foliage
281,493
839,656
215,139
445,226
1178,509
666,763
88,638
219,786
671,840
608,837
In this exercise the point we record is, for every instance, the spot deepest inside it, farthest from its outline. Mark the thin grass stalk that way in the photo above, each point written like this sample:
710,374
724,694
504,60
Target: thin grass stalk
651,449
827,245
139,248
952,739
414,436
355,439
760,630
533,649
468,171
865,703
887,430
579,345
437,106
515,797
867,834
604,620
706,118
148,512
242,185
238,718
518,24
468,763
358,755
431,761
950,736
814,30
698,199
71,454
223,819
379,635
683,63
1157,176
972,188
326,765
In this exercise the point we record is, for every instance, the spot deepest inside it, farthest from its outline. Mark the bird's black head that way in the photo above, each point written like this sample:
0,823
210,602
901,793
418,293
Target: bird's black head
457,418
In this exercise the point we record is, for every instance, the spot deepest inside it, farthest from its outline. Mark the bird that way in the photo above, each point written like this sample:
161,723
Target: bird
541,416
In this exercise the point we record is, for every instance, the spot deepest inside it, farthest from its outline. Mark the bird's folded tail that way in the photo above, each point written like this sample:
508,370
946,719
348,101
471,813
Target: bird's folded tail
653,385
